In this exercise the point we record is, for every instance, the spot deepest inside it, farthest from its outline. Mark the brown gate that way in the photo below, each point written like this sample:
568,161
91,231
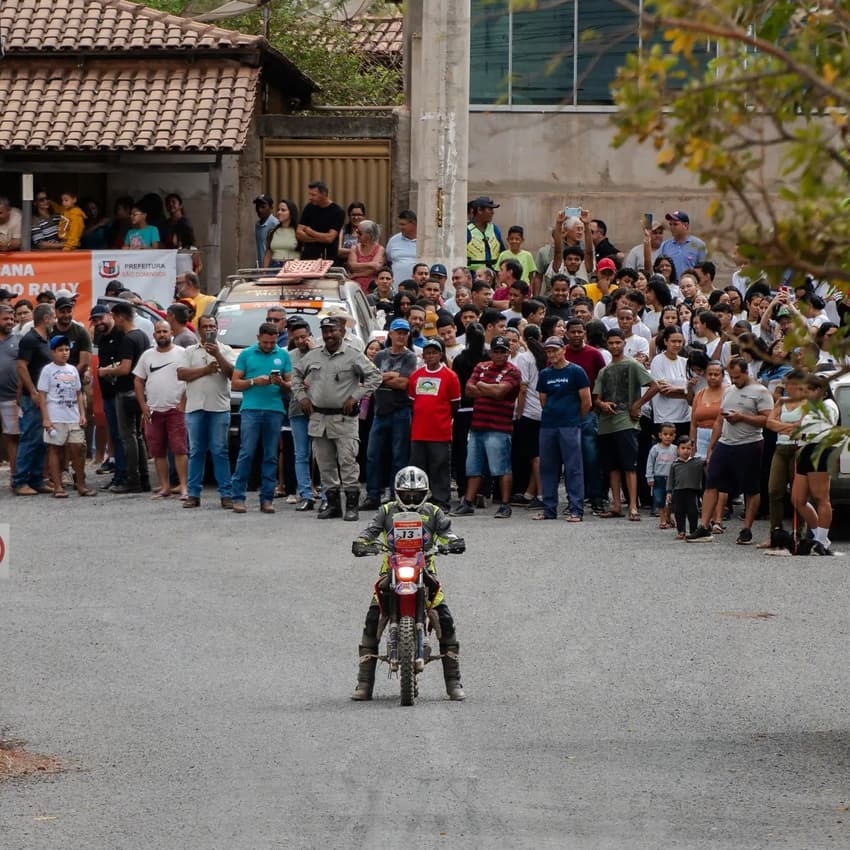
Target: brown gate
354,170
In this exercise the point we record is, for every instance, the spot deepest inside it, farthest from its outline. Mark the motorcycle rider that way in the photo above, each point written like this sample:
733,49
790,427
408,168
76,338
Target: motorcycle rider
411,494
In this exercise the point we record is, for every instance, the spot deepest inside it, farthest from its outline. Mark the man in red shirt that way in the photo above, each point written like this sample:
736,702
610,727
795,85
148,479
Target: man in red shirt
591,360
493,386
435,392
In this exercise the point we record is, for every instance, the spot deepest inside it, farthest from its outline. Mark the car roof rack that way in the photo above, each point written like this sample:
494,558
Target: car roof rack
270,276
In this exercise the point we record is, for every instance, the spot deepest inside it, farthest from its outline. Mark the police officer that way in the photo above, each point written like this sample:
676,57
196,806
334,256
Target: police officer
329,383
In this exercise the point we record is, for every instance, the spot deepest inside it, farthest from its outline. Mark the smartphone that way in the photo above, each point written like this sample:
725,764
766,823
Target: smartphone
274,372
209,336
572,212
786,290
647,221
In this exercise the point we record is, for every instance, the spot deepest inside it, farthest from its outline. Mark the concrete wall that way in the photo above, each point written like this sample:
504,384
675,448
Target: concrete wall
535,163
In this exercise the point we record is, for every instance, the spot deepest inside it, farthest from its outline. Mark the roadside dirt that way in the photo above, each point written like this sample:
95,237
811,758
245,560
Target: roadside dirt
15,761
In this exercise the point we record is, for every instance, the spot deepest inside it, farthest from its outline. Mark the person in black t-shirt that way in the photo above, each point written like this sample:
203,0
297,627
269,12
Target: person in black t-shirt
129,414
320,224
33,355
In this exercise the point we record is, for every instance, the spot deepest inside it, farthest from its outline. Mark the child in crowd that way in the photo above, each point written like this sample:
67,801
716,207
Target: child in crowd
516,236
684,486
72,222
63,415
661,457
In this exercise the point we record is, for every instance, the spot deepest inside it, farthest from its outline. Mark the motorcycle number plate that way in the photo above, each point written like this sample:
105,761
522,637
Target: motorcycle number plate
407,533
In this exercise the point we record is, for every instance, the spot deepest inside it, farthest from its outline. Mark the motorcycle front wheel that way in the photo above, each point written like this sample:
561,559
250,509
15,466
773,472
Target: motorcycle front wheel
407,659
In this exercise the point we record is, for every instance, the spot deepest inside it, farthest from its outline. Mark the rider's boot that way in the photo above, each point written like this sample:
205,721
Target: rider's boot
451,668
366,672
352,498
333,509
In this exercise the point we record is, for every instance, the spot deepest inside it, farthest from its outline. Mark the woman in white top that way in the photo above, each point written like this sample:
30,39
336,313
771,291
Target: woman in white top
820,416
281,243
670,371
527,417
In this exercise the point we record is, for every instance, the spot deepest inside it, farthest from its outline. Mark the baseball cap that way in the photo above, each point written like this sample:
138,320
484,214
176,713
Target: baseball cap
6,295
400,325
606,263
483,201
782,311
65,293
433,343
500,342
264,199
59,339
429,327
440,269
98,310
63,302
554,342
678,215
330,322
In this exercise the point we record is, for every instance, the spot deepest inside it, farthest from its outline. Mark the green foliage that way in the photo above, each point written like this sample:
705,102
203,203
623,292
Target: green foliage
765,121
321,48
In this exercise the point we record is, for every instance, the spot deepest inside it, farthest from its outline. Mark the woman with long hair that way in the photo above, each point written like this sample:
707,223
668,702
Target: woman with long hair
810,491
281,244
356,213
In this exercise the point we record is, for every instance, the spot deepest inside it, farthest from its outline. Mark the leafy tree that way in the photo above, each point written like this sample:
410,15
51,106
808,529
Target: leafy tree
307,33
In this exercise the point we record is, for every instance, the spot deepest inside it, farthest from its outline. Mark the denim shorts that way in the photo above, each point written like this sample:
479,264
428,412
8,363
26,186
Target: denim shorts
491,449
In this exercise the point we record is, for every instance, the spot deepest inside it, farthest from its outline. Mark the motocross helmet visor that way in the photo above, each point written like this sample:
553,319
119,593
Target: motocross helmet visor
411,499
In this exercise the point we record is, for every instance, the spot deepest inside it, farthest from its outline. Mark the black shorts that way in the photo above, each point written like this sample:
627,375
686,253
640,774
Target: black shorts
735,469
806,462
619,451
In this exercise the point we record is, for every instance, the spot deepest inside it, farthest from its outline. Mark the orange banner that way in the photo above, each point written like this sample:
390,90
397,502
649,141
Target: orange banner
28,273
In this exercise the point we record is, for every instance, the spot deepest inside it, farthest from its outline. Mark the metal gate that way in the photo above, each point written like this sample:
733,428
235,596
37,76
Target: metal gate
354,170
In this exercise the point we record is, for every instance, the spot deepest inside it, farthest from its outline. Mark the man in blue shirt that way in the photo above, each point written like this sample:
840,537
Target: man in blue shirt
262,373
564,391
266,223
684,250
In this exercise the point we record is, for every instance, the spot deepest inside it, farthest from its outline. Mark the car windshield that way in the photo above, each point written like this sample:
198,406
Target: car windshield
238,323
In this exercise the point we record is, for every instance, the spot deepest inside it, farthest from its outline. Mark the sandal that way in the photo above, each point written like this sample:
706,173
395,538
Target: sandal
574,518
634,516
610,515
60,494
543,516
717,528
680,535
664,525
87,492
162,494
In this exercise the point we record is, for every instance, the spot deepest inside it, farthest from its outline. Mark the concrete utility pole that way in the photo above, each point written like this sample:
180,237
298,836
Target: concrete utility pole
437,85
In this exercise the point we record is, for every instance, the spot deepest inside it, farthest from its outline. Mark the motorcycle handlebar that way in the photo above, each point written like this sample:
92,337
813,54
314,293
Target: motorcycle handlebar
362,550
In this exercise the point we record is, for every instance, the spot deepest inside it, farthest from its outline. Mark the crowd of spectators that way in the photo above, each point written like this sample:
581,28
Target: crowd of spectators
642,378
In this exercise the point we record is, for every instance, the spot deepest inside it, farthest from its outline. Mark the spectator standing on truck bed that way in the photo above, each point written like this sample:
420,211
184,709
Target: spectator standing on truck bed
321,222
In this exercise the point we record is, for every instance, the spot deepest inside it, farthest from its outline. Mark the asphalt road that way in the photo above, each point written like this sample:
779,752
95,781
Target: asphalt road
193,671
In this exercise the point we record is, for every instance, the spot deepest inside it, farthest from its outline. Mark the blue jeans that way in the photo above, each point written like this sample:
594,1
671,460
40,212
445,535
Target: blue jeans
208,432
29,463
590,458
257,425
659,493
560,448
396,428
119,456
301,442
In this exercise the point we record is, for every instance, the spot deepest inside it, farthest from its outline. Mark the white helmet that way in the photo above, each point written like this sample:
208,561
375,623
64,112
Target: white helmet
411,487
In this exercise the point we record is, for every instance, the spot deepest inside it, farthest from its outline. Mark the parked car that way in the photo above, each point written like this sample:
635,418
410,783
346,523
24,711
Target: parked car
840,487
243,301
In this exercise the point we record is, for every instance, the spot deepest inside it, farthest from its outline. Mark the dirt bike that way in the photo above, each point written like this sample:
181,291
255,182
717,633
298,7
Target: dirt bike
403,593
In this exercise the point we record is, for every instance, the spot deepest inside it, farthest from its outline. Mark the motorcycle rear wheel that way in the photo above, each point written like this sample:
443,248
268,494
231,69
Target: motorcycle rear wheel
407,659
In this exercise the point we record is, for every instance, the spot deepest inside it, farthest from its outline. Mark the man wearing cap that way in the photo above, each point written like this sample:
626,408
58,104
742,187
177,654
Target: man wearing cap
564,391
440,273
81,347
483,238
400,252
9,410
435,392
644,255
109,339
606,270
392,406
346,320
265,224
329,383
33,355
493,386
319,225
684,250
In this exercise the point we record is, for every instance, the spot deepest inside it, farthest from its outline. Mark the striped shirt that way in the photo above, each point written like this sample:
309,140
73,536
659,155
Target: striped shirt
490,414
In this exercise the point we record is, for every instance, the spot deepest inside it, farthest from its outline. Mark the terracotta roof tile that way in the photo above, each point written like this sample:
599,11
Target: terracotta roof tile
57,104
107,25
382,37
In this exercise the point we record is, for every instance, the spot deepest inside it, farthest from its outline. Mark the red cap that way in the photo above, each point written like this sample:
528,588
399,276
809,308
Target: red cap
606,263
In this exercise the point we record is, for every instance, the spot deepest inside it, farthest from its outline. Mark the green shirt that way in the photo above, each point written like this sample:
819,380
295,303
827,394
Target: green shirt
621,383
253,362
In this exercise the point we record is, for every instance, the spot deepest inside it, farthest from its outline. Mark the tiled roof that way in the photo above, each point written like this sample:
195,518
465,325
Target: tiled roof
106,25
379,36
107,105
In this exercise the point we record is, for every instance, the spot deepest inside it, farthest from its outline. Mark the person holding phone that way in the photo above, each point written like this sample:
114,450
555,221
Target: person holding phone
207,369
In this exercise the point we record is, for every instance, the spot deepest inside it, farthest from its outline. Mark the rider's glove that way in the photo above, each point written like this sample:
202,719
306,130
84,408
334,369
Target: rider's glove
457,546
359,549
